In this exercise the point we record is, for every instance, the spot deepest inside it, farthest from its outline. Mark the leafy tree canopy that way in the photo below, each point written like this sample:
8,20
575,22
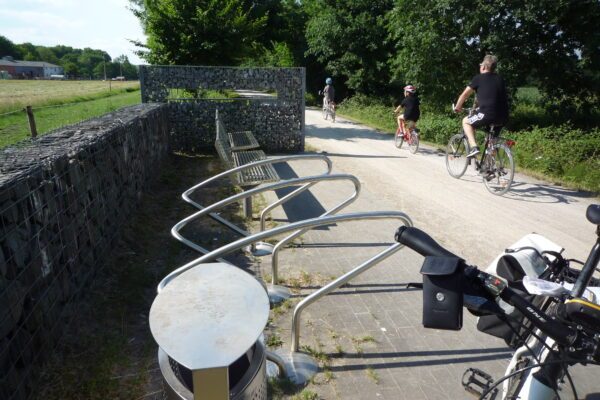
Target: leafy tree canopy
439,44
8,48
199,32
350,38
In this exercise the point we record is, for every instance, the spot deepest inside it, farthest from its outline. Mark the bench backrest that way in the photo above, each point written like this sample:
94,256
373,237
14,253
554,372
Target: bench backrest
222,142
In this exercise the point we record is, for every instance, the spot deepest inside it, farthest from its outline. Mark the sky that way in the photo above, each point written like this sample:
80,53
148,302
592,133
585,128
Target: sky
99,24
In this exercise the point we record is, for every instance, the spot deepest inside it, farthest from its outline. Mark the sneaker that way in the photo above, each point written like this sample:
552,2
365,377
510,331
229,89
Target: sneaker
489,176
474,151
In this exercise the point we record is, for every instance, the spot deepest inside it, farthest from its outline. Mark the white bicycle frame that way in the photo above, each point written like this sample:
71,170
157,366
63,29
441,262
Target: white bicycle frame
531,388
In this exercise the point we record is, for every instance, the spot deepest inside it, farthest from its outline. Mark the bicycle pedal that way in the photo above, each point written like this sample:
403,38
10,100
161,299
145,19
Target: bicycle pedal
476,382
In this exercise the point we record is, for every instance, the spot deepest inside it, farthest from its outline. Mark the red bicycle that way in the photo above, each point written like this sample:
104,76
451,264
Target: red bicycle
409,136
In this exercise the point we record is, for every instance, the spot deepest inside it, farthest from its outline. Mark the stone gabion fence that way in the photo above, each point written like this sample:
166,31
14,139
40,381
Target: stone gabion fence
63,199
277,121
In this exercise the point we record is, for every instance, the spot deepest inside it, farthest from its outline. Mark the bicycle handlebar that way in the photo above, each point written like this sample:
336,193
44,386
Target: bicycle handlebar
425,245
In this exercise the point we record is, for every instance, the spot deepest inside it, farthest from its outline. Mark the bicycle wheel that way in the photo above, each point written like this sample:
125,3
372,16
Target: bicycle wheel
325,112
413,143
398,139
456,155
501,170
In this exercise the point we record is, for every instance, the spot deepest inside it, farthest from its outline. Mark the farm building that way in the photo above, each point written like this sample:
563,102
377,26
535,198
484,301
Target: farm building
29,69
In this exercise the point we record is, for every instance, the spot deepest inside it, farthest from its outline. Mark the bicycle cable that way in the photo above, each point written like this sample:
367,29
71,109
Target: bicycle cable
543,342
561,361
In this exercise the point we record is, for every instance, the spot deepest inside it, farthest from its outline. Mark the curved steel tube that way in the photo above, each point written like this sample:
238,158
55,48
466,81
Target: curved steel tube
331,286
273,186
273,160
313,222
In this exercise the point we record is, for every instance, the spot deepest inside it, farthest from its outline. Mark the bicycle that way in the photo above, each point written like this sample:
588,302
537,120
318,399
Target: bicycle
565,331
328,110
411,137
496,163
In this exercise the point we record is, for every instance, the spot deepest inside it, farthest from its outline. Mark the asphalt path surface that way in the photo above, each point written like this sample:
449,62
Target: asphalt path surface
459,213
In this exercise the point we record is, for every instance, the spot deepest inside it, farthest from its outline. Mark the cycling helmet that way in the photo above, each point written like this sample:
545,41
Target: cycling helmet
410,88
328,81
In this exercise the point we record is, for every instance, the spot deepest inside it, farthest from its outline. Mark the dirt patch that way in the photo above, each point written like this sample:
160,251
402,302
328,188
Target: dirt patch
107,351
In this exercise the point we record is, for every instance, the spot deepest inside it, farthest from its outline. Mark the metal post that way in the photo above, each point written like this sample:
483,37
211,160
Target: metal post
31,119
331,286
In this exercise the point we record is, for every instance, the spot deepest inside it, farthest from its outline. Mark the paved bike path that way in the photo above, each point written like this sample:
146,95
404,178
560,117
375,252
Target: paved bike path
370,330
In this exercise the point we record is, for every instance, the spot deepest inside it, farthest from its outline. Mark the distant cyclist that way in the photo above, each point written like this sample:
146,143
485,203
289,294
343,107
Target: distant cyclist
411,106
492,101
328,93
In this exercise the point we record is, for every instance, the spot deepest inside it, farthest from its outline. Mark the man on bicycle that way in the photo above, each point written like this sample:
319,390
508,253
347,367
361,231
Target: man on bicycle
412,111
492,101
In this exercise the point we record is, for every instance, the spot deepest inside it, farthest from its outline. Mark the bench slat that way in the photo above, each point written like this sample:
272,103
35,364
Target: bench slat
225,144
242,140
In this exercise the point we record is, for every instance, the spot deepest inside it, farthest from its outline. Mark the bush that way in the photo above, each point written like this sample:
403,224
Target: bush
561,152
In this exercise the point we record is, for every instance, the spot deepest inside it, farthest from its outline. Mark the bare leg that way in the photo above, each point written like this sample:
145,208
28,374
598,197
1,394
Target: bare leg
469,131
401,119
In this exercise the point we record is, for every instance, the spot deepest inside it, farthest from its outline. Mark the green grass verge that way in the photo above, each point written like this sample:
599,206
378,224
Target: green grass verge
16,94
15,127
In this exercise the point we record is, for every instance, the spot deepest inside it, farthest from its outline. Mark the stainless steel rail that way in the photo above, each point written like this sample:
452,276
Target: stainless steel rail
297,366
273,160
273,186
307,223
331,286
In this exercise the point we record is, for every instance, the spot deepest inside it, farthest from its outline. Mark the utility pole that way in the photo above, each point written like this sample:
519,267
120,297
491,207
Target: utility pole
104,62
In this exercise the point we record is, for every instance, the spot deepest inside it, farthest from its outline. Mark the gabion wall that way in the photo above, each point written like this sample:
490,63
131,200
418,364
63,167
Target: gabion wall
63,199
277,123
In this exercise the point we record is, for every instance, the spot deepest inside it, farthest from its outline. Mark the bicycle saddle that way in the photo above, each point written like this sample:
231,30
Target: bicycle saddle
593,214
584,313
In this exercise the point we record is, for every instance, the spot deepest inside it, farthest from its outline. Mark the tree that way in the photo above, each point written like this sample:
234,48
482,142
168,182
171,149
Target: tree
198,32
350,39
440,42
8,48
71,69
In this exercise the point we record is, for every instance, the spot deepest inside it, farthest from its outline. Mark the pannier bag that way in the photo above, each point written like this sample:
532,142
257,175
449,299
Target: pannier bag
442,293
512,266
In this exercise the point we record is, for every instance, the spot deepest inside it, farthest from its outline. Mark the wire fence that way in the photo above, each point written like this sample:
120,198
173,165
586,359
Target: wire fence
63,200
16,125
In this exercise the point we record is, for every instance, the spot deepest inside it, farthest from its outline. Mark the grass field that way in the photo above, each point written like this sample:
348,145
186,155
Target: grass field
58,103
16,94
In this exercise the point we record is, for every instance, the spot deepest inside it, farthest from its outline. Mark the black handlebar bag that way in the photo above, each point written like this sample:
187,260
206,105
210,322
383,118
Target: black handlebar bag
442,293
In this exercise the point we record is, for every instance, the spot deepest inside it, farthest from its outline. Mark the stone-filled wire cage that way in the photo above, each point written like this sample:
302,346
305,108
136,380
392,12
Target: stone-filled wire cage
63,200
276,118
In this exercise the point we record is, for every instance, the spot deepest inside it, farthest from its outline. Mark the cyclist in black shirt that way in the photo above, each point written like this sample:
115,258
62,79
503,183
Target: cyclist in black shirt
412,112
492,101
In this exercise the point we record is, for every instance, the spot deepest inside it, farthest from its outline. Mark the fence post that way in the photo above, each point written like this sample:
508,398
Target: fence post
32,127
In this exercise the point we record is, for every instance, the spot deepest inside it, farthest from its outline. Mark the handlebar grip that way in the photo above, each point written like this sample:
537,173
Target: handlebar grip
421,242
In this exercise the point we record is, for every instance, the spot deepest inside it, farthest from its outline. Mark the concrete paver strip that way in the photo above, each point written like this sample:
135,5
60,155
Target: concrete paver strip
371,329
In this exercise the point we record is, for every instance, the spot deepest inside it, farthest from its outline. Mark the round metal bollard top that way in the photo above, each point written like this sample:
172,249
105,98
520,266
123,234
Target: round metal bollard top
209,316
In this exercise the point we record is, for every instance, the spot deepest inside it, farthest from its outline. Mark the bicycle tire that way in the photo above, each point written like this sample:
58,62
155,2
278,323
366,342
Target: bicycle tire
501,170
398,139
413,144
325,113
456,155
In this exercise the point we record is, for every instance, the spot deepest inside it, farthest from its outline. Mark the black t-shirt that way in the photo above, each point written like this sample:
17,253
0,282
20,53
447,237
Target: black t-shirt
491,96
411,108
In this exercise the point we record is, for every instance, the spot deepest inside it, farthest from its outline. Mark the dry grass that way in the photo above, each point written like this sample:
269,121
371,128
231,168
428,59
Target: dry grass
16,94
